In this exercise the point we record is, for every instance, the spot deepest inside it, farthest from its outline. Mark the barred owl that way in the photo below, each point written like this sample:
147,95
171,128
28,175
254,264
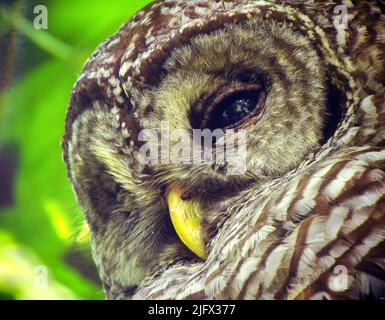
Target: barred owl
304,81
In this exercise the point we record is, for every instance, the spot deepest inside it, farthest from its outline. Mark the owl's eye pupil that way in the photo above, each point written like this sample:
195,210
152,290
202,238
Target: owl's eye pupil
237,110
234,109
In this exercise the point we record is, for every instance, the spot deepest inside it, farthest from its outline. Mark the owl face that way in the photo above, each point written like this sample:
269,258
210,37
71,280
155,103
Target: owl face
235,71
250,77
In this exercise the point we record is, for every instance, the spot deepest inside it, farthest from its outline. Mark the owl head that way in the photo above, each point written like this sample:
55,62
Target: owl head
156,101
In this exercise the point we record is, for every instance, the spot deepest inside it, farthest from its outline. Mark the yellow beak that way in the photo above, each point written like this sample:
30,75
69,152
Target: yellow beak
186,218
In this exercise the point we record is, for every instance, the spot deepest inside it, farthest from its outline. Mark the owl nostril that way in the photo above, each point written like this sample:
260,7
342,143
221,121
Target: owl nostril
185,196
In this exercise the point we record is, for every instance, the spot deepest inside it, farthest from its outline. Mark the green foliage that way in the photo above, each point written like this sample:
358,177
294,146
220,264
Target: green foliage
43,226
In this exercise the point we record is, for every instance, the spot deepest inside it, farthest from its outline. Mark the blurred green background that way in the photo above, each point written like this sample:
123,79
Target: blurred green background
44,245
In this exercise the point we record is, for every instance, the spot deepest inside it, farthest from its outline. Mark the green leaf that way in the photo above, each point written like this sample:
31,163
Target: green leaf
44,225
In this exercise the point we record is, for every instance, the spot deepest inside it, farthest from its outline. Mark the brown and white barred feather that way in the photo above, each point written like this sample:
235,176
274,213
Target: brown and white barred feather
288,245
285,238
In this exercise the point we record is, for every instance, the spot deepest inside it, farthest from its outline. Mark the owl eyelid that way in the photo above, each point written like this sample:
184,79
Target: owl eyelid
226,92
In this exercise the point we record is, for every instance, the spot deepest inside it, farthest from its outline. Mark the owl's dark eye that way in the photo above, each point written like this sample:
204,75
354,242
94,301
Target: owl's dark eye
233,107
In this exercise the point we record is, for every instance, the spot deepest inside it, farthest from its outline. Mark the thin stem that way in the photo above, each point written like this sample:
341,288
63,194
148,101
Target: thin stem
41,38
7,57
